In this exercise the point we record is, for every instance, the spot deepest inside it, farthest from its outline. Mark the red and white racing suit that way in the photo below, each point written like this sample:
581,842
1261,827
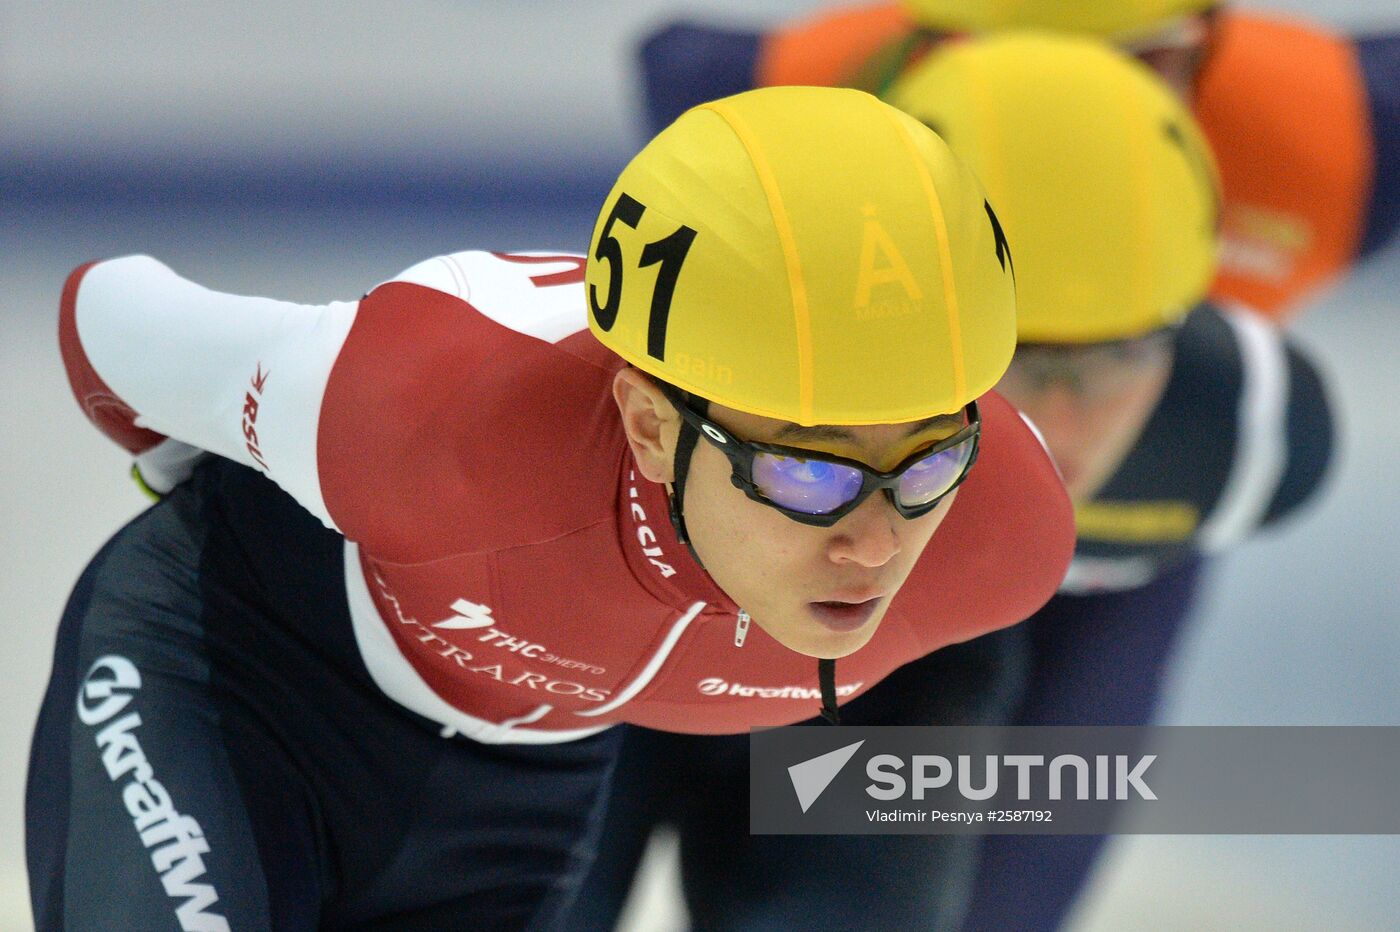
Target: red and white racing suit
510,574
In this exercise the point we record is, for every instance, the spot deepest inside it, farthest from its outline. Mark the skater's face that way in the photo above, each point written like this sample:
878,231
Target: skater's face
1177,50
821,591
1090,402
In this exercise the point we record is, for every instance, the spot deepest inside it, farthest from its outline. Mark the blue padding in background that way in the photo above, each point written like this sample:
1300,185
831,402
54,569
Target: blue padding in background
1380,64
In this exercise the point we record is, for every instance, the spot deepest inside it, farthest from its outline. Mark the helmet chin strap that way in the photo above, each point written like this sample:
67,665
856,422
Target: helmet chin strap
826,678
685,447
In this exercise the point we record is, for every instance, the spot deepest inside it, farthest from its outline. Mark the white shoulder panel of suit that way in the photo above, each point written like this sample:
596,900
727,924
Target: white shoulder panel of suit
187,358
504,289
1261,452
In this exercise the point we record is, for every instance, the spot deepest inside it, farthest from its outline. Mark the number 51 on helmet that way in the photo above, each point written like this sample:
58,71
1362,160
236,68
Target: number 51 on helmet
808,254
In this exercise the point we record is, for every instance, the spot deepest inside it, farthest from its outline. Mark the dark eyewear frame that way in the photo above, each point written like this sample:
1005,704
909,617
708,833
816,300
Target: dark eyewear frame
741,455
881,72
1089,370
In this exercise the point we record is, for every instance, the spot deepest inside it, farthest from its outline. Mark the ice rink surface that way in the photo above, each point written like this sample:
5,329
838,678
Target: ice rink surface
1297,628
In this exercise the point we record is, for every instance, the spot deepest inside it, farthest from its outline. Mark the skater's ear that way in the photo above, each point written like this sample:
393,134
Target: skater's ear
650,421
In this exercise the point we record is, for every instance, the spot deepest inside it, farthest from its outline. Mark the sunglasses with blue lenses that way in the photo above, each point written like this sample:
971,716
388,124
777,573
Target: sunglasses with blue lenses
820,489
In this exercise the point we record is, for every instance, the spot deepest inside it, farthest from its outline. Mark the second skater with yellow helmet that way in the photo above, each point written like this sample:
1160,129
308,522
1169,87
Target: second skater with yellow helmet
1180,428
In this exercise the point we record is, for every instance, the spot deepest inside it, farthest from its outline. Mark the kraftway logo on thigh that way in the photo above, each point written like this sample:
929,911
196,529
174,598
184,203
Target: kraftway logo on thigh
176,841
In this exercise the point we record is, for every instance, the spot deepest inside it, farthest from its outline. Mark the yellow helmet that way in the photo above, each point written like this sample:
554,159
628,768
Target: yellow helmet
809,254
1101,177
1118,19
